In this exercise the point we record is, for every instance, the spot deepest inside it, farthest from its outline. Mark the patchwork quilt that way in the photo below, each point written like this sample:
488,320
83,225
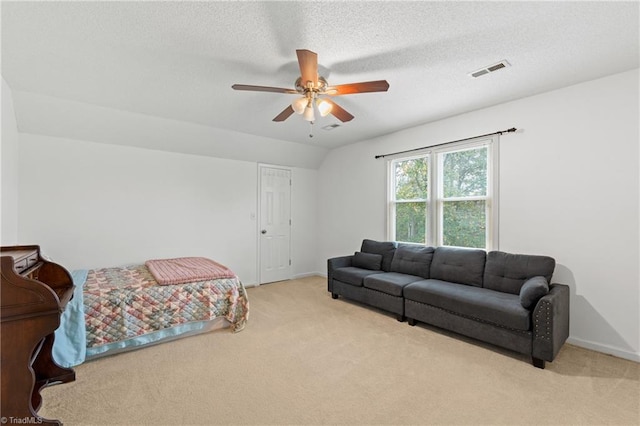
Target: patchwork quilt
125,302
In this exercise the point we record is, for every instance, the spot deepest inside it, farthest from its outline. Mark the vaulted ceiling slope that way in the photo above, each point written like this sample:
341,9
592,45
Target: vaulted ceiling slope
178,60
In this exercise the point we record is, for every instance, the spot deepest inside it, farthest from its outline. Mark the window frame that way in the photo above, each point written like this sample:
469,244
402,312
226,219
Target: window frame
435,200
391,191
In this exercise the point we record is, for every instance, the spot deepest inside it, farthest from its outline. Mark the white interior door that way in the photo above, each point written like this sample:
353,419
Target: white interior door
275,224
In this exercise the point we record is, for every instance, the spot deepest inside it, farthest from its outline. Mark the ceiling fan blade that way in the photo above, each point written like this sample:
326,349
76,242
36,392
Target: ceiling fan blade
284,114
339,112
368,86
262,88
308,62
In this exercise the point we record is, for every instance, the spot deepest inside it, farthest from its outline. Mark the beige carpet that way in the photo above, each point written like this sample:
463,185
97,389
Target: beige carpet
307,359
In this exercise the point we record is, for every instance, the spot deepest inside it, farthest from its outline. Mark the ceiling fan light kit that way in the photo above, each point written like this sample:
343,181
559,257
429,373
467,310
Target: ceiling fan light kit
299,105
308,113
314,90
324,107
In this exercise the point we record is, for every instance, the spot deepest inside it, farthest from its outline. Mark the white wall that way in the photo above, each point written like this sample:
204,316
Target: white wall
569,188
304,222
50,116
97,205
9,174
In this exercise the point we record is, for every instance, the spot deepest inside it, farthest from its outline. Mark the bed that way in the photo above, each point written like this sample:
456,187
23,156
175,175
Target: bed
123,308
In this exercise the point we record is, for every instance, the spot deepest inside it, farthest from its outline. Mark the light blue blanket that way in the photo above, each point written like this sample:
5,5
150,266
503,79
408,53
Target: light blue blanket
70,344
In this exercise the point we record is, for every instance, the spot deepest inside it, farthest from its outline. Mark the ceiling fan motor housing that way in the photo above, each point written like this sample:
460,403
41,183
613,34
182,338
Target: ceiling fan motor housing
319,88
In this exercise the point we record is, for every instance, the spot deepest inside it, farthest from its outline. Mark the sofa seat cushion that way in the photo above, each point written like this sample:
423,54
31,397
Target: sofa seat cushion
495,307
390,282
352,275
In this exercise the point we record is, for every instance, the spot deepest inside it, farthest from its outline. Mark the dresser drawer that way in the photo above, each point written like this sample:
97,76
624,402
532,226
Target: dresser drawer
20,265
23,260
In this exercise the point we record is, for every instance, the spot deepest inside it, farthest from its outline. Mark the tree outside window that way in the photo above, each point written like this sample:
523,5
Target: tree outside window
463,201
411,194
461,214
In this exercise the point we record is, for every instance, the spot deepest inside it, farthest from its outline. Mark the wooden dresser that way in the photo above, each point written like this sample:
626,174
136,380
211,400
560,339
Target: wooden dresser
33,294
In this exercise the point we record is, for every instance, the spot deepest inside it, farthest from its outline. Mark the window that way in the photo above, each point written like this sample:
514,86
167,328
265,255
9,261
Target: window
446,196
411,189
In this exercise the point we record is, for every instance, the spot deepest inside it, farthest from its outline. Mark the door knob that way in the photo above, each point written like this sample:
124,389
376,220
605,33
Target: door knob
264,231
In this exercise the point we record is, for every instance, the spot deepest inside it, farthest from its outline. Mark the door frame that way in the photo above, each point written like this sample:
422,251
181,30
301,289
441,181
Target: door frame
259,218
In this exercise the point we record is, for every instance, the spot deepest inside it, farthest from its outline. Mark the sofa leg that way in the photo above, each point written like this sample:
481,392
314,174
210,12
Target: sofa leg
334,296
537,362
412,322
400,318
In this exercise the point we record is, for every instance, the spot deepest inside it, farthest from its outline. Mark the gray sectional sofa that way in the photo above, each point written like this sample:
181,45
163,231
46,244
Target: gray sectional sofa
500,298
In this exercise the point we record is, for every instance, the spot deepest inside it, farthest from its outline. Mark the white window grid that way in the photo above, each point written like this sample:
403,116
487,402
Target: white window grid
434,209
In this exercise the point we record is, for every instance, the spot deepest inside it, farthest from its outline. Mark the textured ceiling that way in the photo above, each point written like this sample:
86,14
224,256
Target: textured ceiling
178,60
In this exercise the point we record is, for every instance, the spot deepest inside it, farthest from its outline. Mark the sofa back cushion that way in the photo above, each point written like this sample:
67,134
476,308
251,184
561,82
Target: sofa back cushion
412,260
507,272
367,261
458,265
384,248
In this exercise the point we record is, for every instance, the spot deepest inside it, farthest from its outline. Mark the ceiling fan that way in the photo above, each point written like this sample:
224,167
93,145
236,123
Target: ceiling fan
314,89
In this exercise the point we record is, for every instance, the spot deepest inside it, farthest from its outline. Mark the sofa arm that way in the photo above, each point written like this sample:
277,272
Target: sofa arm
551,323
335,263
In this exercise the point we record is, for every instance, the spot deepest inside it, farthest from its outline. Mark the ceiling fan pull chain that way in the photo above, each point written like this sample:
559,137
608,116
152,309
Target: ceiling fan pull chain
311,129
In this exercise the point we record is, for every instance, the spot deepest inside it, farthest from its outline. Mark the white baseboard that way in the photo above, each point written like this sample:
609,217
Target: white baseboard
295,277
606,349
308,274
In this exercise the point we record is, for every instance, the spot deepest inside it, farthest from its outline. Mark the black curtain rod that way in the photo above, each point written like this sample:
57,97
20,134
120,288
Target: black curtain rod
513,129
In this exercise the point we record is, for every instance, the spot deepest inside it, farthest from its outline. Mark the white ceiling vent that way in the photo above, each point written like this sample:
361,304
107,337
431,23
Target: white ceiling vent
331,126
490,68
